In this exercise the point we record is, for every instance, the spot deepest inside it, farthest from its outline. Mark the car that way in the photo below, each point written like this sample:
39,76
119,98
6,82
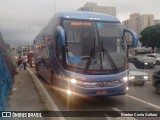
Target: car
130,57
137,76
156,81
155,56
142,62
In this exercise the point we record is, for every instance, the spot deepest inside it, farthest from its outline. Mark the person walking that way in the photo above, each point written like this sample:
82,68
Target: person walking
24,63
19,62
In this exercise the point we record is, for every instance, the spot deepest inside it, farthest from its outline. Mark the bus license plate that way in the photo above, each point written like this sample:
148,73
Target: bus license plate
102,92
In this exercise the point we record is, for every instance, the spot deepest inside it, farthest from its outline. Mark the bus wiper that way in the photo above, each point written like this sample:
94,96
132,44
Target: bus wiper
92,54
109,58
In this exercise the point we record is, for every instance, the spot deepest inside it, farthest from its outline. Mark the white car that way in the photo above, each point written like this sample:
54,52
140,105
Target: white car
137,76
155,56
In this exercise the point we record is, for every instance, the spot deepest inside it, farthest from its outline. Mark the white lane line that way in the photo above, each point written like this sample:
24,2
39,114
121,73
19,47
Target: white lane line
51,102
153,105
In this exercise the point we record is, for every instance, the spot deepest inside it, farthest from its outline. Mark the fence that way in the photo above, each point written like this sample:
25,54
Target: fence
5,82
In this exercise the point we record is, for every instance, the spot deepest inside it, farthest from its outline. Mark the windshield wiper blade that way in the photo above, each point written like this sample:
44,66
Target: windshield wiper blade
109,58
92,53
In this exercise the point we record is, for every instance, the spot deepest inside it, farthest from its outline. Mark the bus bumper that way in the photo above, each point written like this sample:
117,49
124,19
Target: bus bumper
100,91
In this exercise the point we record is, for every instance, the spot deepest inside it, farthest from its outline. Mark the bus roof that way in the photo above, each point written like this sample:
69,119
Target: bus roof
83,15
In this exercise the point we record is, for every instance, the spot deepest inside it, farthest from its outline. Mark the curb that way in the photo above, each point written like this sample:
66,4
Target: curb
44,94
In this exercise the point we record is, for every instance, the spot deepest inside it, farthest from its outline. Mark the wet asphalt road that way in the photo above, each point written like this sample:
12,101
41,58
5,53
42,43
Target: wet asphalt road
139,98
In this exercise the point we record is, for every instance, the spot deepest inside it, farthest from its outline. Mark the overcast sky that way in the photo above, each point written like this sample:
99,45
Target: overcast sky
21,20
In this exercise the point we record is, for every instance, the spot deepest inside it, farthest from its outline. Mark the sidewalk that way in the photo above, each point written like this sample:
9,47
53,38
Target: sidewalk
24,96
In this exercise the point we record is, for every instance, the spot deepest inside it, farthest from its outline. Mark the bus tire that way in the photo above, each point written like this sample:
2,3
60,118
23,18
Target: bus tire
38,74
37,71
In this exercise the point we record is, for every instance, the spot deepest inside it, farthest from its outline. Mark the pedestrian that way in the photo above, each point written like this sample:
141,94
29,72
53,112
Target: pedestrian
19,62
24,63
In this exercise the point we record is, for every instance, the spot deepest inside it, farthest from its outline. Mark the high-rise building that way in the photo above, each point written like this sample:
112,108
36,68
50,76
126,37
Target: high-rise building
138,23
156,22
126,23
135,22
92,7
146,20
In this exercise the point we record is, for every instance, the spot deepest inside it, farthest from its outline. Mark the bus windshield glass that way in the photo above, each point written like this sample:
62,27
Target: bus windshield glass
94,46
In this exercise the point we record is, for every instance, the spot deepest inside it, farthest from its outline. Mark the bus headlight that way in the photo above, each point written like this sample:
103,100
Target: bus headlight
74,81
131,77
68,92
125,79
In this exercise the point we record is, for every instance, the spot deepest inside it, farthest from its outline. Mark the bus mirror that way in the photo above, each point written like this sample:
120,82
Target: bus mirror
134,36
61,36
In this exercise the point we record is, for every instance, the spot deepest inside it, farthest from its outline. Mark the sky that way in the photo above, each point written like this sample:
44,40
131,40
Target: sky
22,20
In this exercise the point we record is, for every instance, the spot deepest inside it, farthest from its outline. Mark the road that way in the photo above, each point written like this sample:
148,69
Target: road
139,98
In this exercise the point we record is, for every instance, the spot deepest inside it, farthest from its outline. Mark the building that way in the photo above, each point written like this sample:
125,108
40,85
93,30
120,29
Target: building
156,22
137,23
146,20
93,7
126,23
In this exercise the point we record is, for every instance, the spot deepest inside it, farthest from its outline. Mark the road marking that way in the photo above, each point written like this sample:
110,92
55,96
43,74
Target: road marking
153,105
52,103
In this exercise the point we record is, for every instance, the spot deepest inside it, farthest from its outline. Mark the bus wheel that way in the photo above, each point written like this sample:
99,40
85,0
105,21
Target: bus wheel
38,74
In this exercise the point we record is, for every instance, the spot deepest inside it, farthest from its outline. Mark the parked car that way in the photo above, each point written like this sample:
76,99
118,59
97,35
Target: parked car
142,62
137,76
130,57
155,56
156,81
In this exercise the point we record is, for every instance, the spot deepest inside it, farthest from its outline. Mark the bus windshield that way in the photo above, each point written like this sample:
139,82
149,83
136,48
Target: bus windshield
94,46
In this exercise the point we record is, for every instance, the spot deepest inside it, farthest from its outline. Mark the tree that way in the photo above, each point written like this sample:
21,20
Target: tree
150,36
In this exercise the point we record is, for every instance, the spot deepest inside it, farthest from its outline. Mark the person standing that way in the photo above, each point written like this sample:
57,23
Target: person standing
24,63
19,62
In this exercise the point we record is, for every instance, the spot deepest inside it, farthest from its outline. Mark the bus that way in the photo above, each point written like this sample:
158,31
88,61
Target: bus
84,53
